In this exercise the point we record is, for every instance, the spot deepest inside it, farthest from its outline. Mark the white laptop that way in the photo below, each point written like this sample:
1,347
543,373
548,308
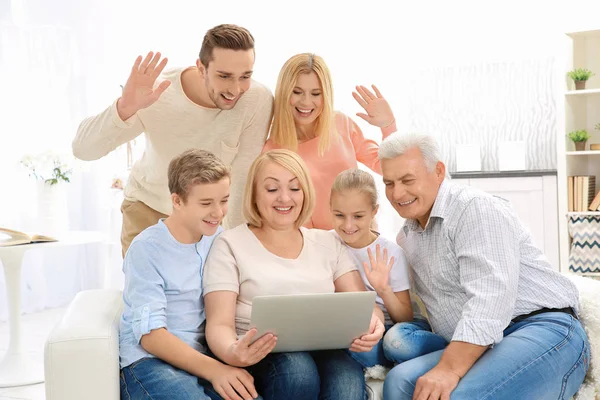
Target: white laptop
306,322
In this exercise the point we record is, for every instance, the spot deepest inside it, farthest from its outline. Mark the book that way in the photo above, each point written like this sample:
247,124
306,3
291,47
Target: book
9,237
571,189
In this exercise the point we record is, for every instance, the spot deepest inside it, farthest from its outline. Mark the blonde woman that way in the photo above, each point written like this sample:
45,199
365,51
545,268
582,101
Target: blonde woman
329,142
274,254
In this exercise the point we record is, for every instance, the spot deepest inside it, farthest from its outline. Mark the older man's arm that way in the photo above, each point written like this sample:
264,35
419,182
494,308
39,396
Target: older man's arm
487,249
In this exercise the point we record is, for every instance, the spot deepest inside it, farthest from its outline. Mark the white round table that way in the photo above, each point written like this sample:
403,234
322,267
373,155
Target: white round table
17,368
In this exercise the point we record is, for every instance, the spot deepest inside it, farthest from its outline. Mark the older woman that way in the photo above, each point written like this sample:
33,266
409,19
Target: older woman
274,254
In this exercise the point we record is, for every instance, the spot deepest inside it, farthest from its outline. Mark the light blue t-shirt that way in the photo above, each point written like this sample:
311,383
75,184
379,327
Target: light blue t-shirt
163,289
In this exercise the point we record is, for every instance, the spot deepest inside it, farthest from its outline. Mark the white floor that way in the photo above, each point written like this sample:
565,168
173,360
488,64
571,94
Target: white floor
34,328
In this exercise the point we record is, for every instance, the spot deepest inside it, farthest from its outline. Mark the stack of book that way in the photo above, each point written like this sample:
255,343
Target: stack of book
582,193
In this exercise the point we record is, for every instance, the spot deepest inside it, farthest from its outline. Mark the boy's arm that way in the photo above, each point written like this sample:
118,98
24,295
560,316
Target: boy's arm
144,294
226,380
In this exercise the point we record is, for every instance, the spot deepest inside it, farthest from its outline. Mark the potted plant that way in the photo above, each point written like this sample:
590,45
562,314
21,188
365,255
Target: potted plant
579,138
50,174
580,76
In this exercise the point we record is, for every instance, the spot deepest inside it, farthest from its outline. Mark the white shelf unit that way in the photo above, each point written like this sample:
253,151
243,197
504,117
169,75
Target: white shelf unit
580,110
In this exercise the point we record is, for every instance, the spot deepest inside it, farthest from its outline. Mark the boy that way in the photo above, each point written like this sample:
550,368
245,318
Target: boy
162,351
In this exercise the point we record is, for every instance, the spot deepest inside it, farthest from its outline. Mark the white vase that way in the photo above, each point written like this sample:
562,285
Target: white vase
53,212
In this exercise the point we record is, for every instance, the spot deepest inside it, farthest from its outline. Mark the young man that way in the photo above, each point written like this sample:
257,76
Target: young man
215,106
162,354
510,319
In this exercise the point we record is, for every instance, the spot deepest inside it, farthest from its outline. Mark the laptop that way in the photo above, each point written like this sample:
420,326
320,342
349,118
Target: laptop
306,322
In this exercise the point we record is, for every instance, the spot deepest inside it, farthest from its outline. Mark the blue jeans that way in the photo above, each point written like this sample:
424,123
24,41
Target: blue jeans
402,341
324,375
545,356
407,340
154,379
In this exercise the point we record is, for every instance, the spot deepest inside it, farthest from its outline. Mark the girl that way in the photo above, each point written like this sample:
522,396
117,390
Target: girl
329,142
354,205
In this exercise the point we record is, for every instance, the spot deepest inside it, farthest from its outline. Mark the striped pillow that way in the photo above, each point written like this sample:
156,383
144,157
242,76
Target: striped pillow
585,248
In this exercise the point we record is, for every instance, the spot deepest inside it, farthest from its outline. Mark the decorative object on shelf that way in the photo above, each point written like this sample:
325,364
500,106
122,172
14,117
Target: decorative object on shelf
579,138
512,156
468,157
50,173
595,146
585,248
580,76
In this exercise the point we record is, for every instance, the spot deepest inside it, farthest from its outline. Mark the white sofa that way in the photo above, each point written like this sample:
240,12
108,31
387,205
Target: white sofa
82,352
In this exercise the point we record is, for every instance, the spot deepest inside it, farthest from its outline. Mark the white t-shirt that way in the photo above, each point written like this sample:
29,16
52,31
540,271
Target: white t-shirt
399,278
238,262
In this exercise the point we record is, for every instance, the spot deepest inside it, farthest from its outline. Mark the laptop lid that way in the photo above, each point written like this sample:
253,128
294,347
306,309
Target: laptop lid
306,322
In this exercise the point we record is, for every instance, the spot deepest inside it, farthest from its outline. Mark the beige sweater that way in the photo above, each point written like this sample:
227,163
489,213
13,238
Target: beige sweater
174,124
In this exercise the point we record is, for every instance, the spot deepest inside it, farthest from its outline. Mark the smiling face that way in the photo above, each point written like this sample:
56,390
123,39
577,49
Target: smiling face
279,196
228,76
353,213
306,99
410,186
204,207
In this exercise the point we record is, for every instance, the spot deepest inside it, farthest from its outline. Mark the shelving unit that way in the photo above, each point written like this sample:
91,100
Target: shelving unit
580,110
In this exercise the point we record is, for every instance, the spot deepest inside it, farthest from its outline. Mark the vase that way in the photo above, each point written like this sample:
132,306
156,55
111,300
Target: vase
580,85
580,146
52,209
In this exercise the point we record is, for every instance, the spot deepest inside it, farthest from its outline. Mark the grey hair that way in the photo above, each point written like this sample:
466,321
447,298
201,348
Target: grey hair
399,143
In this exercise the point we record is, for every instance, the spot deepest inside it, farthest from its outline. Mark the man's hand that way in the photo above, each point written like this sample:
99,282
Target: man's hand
232,383
139,91
366,342
243,354
437,384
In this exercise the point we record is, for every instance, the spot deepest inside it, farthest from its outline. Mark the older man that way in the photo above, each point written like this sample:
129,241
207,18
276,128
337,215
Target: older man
510,319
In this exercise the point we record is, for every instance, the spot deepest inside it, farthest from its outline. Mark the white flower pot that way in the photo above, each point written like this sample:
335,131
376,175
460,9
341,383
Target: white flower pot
53,213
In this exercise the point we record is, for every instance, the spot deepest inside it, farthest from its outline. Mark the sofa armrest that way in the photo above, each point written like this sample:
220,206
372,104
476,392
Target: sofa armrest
81,356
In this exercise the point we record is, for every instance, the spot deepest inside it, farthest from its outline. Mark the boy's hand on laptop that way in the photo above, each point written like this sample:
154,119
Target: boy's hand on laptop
366,342
378,273
244,354
232,383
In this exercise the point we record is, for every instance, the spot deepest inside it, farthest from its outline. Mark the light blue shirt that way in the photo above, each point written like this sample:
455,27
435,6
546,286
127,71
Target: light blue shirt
163,289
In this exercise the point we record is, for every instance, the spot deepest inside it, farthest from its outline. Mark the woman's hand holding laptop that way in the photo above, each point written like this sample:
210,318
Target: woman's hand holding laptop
244,353
366,342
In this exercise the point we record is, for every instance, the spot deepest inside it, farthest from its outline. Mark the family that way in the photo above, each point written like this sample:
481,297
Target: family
240,193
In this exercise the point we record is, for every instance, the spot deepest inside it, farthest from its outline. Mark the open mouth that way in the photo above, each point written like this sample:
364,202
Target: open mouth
407,203
228,98
212,223
305,112
349,232
283,210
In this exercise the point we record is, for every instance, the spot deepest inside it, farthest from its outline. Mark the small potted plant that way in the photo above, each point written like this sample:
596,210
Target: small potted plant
580,76
579,138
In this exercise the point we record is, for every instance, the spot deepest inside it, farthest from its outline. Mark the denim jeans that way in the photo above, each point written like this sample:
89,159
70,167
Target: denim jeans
545,356
154,379
407,340
402,341
324,375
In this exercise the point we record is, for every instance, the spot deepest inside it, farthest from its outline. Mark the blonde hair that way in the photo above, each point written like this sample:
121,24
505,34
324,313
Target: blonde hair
193,167
283,129
293,163
356,179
